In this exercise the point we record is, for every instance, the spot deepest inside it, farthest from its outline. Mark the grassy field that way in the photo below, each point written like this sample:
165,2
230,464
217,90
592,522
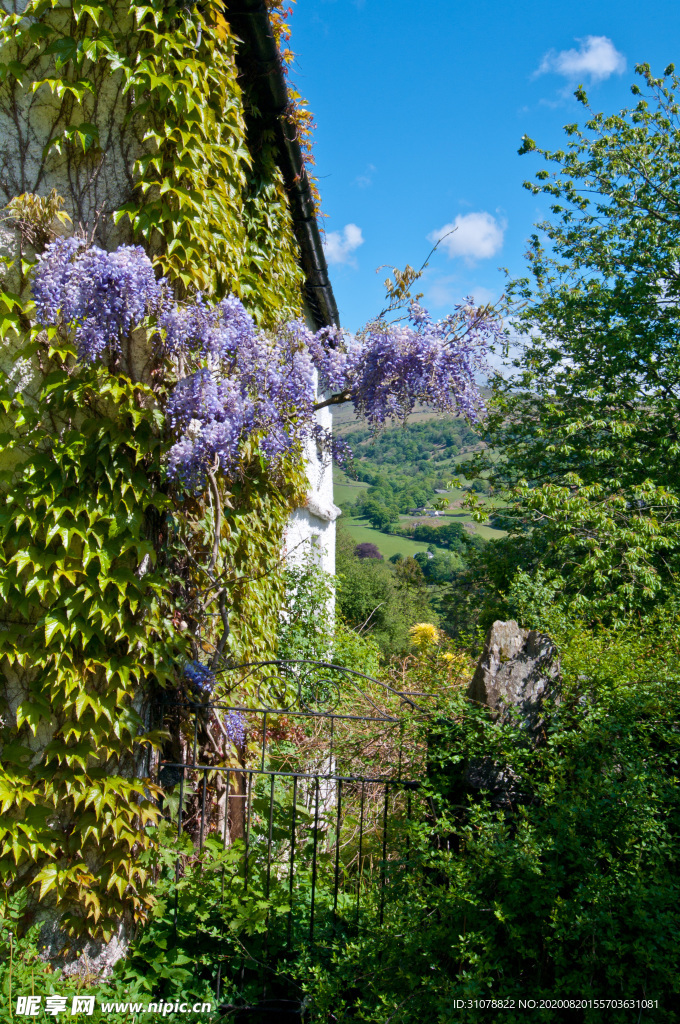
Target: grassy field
488,532
362,533
388,545
347,491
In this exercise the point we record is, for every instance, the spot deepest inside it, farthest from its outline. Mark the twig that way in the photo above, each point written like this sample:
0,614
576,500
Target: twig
225,633
218,519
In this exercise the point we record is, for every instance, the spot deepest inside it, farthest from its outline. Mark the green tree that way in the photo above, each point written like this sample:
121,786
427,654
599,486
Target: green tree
380,516
589,423
380,599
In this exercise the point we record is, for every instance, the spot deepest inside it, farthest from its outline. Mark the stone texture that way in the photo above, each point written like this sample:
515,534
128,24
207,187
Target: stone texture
518,669
89,959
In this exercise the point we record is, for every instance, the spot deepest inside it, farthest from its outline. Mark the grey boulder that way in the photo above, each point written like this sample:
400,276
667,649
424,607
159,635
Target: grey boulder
518,669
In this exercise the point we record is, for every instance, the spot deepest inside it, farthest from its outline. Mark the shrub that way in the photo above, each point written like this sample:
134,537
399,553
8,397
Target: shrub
367,550
565,888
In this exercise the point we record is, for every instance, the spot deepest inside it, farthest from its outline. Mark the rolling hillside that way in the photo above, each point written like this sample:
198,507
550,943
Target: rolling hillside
404,468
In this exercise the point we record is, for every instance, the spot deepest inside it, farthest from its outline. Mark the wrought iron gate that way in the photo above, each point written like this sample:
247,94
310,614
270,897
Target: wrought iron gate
309,798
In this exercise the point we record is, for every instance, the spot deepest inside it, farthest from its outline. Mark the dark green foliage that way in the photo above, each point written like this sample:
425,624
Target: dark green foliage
479,591
87,632
449,535
440,439
305,627
568,891
438,566
379,516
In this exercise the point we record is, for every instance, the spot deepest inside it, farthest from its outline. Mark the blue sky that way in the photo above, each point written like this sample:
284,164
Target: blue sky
420,111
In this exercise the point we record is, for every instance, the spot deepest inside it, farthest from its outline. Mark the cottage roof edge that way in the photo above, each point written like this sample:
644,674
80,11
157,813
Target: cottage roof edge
260,62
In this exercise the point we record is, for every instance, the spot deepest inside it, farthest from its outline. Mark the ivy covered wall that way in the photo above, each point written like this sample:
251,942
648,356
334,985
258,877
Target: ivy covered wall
135,114
110,579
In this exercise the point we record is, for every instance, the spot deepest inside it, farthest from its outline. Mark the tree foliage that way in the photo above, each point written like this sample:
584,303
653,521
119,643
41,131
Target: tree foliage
380,599
565,890
587,425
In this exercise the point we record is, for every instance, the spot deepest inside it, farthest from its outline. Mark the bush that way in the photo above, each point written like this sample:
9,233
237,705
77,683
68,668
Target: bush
568,889
367,550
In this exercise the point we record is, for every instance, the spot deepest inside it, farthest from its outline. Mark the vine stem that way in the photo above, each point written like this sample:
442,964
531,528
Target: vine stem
225,633
218,518
213,562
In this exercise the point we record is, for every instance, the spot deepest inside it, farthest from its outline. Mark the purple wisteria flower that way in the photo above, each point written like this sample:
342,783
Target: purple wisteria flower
200,676
235,727
211,417
268,394
220,331
391,367
256,385
418,315
99,295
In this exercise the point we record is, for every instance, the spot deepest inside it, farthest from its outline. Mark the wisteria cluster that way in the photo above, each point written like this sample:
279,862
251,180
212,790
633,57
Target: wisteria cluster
203,679
235,727
219,331
265,387
200,676
100,295
393,366
259,385
211,417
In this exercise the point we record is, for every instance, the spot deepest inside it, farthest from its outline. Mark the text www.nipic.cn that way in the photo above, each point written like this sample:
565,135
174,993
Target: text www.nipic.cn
30,1006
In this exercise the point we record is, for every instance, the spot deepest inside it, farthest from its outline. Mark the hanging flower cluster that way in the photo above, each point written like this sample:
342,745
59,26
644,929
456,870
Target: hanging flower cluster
234,725
101,295
210,416
394,366
203,679
200,676
246,383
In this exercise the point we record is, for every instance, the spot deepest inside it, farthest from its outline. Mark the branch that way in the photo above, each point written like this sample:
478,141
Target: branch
342,396
218,519
225,633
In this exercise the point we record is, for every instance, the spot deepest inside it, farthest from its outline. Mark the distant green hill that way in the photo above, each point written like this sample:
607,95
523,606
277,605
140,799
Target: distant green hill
402,469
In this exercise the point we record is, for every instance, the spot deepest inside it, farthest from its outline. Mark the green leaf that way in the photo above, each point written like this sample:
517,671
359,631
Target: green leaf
64,49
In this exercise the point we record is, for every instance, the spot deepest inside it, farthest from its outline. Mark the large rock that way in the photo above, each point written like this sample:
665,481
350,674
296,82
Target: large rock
518,669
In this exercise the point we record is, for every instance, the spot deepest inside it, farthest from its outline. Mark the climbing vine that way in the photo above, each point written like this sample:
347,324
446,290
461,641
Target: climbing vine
83,635
134,111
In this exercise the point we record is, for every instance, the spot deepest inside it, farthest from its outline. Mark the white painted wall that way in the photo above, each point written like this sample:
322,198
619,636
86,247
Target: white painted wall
312,527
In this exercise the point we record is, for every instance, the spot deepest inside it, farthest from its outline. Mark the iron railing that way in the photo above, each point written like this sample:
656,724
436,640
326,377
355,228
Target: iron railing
313,802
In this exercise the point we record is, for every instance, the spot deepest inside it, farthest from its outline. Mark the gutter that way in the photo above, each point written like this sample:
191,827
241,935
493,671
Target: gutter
260,65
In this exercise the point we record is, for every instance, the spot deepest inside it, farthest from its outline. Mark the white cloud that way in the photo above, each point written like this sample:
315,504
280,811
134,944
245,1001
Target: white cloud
339,245
596,58
441,291
475,236
484,296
